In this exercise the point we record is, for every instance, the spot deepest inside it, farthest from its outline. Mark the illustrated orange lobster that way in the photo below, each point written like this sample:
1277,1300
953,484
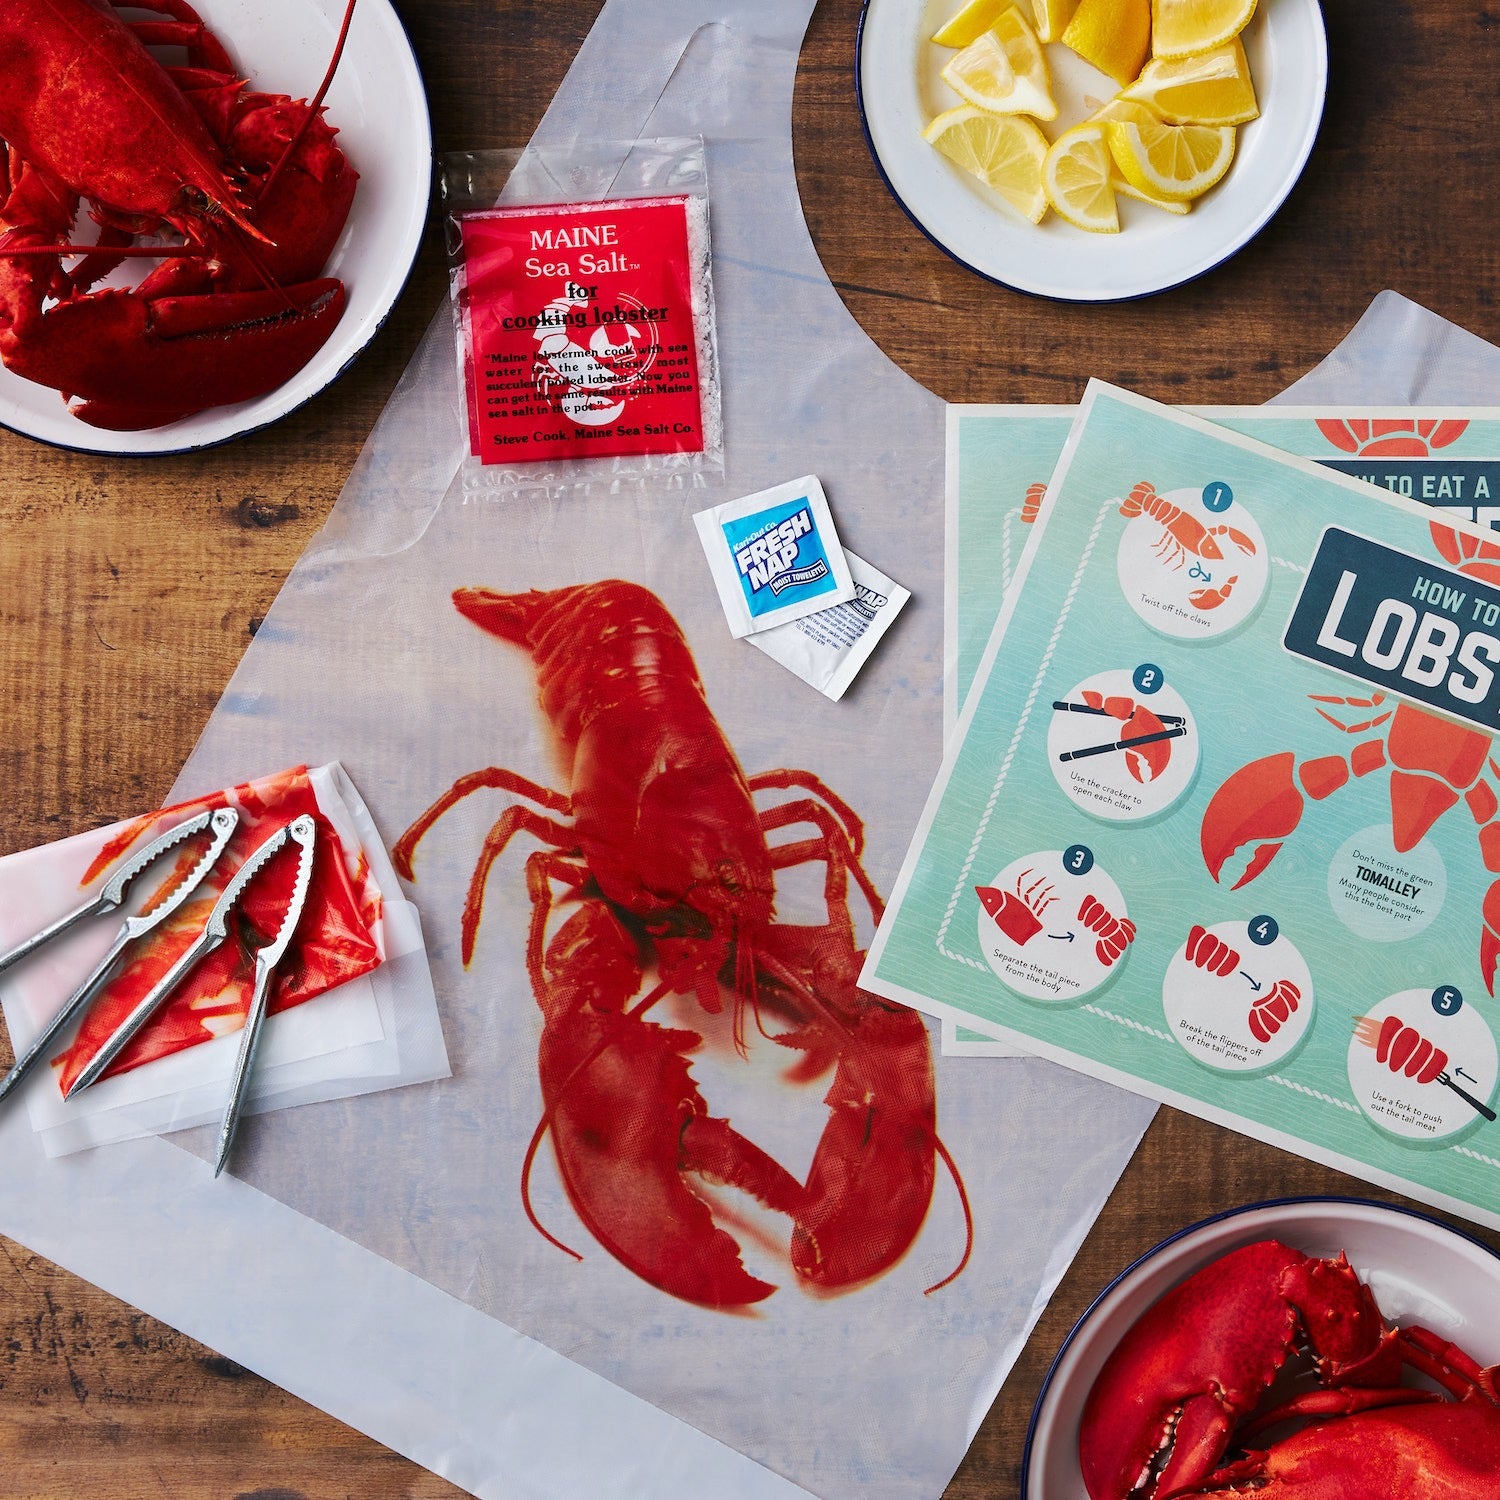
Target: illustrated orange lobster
1434,763
667,854
252,182
1182,1391
1184,536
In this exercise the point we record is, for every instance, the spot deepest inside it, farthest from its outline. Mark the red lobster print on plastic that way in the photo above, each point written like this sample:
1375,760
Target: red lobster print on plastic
662,850
252,182
1185,1389
333,942
1434,764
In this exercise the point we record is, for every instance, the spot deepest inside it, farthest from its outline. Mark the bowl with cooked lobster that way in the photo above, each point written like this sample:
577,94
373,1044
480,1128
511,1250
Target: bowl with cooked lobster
207,210
1293,1350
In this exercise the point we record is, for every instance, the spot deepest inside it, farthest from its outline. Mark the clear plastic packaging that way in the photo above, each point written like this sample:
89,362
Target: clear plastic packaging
583,314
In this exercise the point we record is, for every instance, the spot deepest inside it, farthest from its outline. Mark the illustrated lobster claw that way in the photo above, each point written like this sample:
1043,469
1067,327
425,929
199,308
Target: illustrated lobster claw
1258,804
139,362
1489,937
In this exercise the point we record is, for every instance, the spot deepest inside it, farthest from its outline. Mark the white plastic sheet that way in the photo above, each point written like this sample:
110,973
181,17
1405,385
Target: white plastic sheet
375,1260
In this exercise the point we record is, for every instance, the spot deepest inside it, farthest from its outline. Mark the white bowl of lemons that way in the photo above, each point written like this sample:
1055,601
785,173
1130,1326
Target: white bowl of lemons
1091,150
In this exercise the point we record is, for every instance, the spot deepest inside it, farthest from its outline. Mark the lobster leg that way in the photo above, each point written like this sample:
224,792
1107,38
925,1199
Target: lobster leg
784,780
494,777
834,847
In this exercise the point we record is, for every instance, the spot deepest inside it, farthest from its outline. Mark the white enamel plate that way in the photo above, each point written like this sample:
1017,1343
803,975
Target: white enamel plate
379,108
1419,1270
900,91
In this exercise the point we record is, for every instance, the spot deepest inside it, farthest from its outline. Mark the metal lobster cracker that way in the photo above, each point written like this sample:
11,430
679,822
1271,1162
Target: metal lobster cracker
301,831
222,822
111,897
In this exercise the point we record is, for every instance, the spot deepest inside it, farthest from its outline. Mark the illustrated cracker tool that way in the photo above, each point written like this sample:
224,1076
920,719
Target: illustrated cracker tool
215,932
222,822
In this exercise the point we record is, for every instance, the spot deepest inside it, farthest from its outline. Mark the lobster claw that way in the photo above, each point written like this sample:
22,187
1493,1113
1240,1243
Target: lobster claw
138,362
1258,804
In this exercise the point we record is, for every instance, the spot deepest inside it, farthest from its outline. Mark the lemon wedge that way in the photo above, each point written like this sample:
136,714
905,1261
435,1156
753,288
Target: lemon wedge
1004,151
1113,35
1169,161
1208,88
1004,72
1129,190
1120,108
1052,17
975,17
1180,28
1076,178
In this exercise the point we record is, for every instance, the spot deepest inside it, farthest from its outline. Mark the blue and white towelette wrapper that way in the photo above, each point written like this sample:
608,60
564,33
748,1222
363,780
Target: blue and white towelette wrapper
775,556
828,648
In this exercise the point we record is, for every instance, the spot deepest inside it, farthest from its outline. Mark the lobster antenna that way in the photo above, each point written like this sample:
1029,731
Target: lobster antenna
963,1198
531,1150
314,104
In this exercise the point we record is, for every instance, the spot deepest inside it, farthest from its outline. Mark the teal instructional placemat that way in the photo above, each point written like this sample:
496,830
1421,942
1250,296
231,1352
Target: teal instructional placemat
1220,824
1001,457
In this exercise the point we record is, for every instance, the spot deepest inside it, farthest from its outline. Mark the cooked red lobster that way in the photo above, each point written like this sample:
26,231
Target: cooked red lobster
1183,1391
253,183
666,854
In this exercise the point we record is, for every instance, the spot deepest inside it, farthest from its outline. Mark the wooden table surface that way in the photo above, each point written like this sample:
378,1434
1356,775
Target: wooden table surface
129,589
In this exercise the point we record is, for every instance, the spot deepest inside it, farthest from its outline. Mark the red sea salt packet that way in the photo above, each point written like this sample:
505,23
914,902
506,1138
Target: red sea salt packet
586,330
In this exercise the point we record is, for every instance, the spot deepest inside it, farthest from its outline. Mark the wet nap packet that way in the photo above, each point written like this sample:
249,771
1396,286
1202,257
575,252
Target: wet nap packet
585,327
775,555
828,648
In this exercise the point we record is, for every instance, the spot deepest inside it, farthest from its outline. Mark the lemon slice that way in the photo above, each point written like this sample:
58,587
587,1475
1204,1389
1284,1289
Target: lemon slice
975,17
1169,161
1180,28
1052,17
983,74
1004,151
1113,35
1075,176
1209,88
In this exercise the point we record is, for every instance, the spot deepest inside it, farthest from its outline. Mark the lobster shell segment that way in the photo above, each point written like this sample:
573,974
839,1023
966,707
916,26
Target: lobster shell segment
83,98
1445,1451
1165,1406
137,363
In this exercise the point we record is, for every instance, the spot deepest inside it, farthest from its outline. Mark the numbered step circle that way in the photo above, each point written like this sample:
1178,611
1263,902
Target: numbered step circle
1118,753
1235,1003
1189,571
1407,1059
1382,895
1050,934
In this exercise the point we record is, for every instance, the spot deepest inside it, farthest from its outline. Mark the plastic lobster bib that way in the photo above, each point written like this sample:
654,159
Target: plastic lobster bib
686,1219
